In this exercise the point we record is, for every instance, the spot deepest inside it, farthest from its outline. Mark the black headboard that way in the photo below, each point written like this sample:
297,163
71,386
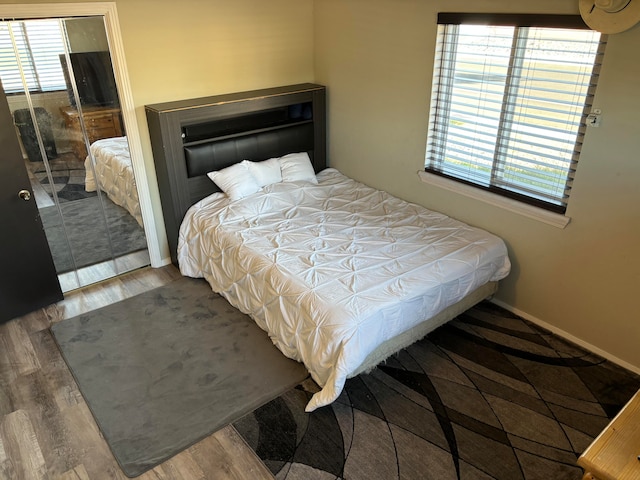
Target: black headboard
190,138
216,155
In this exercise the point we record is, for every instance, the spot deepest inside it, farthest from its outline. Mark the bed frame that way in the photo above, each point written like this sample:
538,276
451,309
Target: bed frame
394,345
192,137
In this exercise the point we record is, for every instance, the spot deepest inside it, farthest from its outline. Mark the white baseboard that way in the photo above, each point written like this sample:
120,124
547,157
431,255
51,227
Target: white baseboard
567,336
163,261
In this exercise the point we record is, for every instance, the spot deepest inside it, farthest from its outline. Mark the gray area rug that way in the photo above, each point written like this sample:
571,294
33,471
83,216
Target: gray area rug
162,370
91,235
487,396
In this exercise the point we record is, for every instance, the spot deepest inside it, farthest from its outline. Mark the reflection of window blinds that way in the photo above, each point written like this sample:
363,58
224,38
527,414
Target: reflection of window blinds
39,44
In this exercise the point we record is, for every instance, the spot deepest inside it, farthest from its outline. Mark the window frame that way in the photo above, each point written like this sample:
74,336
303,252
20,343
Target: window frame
518,21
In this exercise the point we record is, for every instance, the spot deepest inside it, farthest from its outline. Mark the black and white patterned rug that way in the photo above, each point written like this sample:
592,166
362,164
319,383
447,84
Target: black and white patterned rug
487,396
67,177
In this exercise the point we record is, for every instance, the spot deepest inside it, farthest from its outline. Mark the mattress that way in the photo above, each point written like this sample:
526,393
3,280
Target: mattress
114,172
333,270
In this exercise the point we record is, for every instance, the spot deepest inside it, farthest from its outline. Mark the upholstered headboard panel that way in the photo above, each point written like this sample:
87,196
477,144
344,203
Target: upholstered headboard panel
219,154
216,155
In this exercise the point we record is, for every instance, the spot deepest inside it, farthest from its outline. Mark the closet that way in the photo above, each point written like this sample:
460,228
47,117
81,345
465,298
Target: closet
60,86
53,110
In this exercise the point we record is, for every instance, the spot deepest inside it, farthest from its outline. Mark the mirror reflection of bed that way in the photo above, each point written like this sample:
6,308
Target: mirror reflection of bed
109,169
76,150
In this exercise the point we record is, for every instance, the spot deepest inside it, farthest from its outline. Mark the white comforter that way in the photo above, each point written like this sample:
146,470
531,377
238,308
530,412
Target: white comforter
115,173
332,270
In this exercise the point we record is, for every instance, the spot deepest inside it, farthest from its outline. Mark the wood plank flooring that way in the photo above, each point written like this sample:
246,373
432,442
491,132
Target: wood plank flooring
46,429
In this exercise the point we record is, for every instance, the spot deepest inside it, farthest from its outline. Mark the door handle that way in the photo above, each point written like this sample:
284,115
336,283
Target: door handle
25,195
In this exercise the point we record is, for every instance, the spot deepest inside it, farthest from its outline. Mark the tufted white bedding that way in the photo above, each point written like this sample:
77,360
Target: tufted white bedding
115,173
332,270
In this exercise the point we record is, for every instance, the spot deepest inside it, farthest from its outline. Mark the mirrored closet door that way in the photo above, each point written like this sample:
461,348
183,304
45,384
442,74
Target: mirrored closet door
58,79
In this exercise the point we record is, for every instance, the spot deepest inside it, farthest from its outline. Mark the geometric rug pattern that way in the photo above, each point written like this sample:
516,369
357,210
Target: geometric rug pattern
488,395
68,174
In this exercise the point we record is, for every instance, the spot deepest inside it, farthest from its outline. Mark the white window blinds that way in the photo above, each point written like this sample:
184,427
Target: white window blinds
39,44
509,103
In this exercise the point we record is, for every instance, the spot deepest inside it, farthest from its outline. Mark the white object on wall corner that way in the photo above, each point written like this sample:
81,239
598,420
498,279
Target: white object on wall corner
568,336
610,16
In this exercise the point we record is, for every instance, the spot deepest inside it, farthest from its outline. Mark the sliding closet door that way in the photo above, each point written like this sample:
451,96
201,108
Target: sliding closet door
64,102
28,278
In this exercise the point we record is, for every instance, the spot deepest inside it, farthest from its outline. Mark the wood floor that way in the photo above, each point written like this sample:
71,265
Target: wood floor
46,428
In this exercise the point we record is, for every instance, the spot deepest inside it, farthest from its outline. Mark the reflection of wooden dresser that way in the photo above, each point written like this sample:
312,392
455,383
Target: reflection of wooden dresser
100,122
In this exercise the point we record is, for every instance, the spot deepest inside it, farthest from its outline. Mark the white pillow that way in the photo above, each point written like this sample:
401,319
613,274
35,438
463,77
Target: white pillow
236,181
266,172
296,167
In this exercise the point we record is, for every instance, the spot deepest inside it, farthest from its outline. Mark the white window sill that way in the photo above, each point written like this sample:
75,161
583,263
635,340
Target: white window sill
545,216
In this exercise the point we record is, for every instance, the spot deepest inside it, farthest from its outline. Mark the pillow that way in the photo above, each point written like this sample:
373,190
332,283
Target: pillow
266,172
296,167
236,181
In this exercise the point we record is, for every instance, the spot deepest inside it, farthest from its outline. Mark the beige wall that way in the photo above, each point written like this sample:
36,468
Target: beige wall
376,58
195,48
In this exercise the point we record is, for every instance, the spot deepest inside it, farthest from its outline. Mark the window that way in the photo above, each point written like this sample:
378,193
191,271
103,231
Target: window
509,103
39,44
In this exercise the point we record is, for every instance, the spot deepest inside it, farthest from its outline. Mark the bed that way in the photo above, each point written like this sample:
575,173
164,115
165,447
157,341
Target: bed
340,275
334,270
113,169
